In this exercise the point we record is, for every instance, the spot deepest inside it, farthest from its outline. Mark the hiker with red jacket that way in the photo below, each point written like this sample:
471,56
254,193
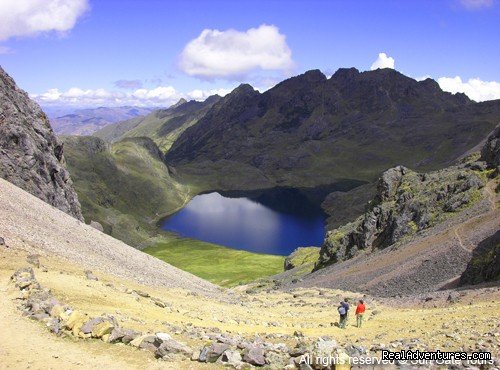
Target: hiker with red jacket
360,310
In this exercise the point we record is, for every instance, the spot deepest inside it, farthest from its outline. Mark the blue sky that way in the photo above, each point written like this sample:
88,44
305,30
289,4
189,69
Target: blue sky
107,50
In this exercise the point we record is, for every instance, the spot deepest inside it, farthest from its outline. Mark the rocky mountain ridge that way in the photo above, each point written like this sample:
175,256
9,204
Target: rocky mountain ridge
310,130
31,156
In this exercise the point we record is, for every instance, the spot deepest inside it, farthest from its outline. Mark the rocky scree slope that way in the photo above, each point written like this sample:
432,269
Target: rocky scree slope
31,156
310,130
27,223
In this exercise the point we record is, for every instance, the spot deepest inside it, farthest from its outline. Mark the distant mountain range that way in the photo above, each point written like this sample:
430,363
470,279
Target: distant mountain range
87,121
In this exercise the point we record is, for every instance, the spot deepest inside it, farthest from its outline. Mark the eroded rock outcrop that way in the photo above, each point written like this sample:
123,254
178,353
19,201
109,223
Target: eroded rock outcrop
31,157
491,150
406,202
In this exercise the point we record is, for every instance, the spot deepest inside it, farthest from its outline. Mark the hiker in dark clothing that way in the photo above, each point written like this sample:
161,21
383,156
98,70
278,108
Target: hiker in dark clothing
343,315
345,304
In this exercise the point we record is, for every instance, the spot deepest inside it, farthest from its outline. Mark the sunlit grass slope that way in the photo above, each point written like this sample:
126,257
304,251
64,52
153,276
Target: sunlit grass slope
220,265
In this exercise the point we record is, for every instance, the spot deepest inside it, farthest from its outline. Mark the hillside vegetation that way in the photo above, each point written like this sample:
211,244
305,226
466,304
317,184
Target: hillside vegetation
217,264
164,126
125,186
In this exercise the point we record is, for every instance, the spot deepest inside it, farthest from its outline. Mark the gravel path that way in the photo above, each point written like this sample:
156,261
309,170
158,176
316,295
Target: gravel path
28,223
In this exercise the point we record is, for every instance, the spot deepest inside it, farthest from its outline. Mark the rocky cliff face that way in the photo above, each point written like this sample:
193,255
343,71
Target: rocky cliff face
491,150
405,202
31,157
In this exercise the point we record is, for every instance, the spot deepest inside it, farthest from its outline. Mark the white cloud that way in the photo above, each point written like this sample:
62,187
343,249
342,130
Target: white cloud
198,94
232,53
31,17
161,96
474,88
383,61
476,4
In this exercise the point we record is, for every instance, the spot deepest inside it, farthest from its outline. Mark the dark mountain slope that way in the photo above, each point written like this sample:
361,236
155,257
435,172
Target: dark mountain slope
310,130
31,157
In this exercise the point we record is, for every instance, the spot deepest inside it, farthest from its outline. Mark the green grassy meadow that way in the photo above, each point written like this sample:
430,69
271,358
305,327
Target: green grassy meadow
220,265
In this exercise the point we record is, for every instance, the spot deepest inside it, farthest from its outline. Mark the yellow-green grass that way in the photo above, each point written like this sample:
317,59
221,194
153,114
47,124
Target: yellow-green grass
220,265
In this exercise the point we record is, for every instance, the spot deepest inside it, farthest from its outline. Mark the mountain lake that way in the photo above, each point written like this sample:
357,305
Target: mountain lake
274,221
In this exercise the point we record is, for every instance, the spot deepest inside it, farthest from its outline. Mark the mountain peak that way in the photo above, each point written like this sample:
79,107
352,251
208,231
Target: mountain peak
313,74
244,88
179,103
212,99
345,74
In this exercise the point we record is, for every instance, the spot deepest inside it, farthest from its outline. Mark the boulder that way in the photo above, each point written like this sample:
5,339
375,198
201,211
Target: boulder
2,241
159,302
343,361
142,293
147,341
39,316
96,225
54,325
33,259
171,346
254,356
90,276
212,352
130,335
101,329
277,360
323,349
57,311
89,325
122,335
164,336
299,350
75,321
231,357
